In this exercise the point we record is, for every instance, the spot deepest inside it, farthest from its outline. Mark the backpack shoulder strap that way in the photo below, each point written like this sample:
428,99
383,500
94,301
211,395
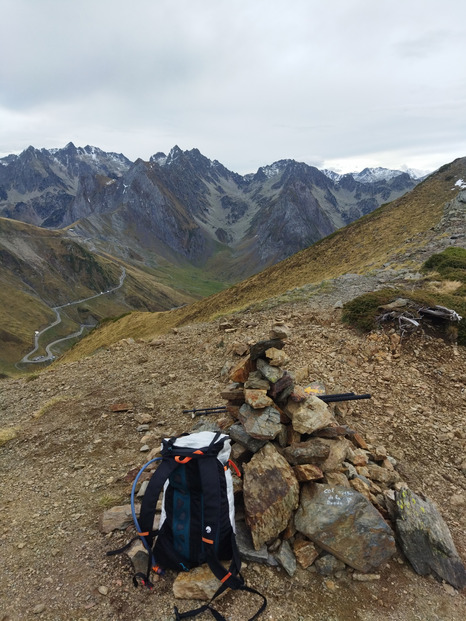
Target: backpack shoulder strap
150,498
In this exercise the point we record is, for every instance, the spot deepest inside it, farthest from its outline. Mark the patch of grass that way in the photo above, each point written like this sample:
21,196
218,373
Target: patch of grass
32,377
449,265
7,434
49,405
108,500
362,312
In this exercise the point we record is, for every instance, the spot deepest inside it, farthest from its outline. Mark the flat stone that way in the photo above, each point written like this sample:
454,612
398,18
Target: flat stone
360,486
257,399
335,431
246,548
328,565
280,331
298,394
143,419
142,489
379,453
260,424
286,558
198,583
256,380
259,349
309,415
338,450
308,472
117,518
358,457
273,374
344,523
233,392
139,557
336,478
241,370
305,552
365,577
276,357
309,452
238,433
377,473
121,407
426,540
281,385
271,494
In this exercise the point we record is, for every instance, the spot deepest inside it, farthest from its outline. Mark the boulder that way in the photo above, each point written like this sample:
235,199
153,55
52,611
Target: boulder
426,540
343,522
271,494
261,424
310,415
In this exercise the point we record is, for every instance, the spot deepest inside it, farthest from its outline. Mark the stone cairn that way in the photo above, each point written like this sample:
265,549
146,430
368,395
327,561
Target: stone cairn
312,493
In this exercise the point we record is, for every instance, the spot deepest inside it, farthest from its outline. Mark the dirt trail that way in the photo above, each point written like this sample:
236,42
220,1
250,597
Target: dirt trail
72,457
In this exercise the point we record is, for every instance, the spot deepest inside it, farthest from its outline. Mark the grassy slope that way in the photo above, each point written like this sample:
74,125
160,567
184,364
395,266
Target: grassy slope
358,248
41,258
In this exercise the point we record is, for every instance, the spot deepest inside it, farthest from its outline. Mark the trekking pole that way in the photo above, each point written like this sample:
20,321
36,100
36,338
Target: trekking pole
344,396
200,411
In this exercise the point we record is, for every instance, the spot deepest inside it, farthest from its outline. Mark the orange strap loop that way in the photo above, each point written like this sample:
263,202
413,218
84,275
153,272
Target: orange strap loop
226,577
235,468
144,534
182,460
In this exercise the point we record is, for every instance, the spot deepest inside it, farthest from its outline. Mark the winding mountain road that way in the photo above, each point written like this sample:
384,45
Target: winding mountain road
56,309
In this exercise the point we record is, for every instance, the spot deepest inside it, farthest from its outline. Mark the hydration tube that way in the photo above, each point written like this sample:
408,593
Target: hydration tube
133,510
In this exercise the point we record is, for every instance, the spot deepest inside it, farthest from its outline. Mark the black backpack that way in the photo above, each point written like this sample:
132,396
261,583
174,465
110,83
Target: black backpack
197,523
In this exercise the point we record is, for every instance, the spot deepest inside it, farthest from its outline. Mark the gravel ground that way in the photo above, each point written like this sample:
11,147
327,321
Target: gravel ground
72,455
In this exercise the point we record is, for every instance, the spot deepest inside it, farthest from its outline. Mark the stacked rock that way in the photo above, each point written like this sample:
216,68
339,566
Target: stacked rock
311,486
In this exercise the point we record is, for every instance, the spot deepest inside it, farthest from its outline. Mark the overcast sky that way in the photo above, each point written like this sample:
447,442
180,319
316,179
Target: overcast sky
342,84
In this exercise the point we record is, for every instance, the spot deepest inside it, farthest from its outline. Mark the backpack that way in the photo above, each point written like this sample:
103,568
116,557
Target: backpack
197,523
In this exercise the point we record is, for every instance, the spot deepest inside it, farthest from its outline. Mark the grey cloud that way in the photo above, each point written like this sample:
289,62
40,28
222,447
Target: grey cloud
245,82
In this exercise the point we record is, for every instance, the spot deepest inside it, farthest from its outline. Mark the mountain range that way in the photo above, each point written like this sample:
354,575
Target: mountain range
185,208
181,226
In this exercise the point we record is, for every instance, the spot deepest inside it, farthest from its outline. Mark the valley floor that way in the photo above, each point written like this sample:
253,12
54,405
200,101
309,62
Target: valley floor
73,457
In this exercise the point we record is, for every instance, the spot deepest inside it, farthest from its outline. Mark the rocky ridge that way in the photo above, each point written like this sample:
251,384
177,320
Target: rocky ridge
68,427
183,206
